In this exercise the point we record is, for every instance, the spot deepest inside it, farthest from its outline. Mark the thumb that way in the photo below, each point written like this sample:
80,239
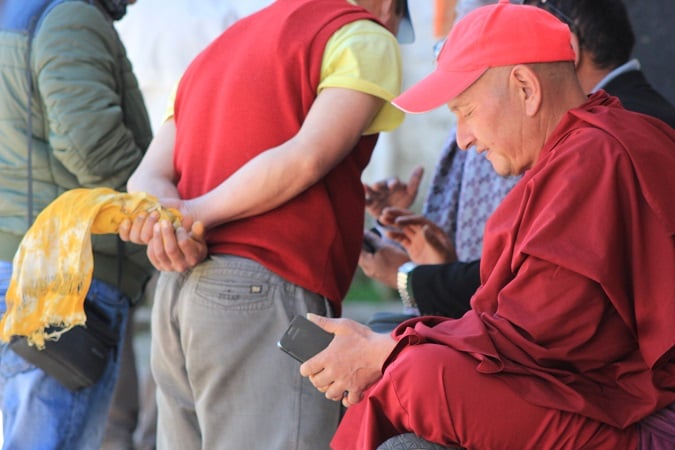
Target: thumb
322,321
197,230
440,244
416,178
432,238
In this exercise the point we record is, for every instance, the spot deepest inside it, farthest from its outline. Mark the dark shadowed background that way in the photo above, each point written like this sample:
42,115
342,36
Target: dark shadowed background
654,26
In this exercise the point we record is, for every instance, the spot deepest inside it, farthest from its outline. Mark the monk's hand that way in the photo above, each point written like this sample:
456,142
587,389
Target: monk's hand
425,242
177,249
352,361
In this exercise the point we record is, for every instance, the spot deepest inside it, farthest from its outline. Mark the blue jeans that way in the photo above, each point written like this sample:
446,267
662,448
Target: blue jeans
37,411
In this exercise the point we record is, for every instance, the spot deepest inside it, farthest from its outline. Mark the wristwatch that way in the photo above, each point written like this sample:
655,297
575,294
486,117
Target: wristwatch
404,286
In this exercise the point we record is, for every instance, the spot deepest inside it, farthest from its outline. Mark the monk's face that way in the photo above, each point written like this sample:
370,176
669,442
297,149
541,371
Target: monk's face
491,116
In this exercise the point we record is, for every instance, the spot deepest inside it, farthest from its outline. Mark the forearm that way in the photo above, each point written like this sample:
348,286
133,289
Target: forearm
153,184
155,174
328,134
269,180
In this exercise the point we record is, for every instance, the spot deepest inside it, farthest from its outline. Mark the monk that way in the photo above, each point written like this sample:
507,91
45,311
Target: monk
570,340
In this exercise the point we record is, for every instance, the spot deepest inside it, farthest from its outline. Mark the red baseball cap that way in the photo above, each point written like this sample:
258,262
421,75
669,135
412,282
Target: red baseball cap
503,34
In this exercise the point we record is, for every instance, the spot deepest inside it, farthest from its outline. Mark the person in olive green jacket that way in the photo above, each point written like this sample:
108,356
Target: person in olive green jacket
63,61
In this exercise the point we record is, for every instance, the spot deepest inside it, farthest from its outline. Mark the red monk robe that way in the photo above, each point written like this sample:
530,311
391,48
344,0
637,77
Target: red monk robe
571,338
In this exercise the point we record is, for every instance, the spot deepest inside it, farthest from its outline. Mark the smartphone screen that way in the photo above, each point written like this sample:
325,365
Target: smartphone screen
304,339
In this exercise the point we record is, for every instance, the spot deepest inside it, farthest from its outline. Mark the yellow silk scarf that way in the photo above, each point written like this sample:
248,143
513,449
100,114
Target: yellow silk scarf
53,266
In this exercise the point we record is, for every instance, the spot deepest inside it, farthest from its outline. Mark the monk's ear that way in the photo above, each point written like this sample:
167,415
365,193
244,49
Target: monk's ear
577,49
527,85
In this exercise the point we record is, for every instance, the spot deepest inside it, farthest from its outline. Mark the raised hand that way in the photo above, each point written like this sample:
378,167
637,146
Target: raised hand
425,242
392,192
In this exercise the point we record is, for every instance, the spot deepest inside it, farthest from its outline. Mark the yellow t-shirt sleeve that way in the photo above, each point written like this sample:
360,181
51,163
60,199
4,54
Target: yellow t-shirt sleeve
169,111
364,56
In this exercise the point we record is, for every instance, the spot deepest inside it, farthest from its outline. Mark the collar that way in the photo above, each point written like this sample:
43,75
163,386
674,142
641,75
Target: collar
116,8
629,66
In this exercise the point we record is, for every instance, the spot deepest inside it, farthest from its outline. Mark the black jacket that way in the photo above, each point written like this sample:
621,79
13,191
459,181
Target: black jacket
636,94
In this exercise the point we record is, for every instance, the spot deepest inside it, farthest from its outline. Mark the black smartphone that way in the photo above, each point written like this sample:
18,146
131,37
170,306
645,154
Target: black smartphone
304,339
368,245
370,240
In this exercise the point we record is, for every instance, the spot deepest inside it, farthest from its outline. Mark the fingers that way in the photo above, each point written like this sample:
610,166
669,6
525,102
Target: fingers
162,245
190,251
367,263
335,392
389,215
393,183
324,322
440,243
399,236
124,230
331,389
176,250
415,180
382,187
433,239
140,230
351,398
197,231
413,220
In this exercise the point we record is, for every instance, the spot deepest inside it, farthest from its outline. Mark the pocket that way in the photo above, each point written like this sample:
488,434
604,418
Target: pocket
241,293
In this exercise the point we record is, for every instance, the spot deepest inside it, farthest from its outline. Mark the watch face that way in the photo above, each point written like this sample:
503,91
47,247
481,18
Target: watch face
403,286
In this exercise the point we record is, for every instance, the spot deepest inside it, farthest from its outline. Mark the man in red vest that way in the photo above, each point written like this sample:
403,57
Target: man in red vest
271,128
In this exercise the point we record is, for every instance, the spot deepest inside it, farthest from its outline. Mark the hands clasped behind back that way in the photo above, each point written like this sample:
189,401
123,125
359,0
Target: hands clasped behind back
169,249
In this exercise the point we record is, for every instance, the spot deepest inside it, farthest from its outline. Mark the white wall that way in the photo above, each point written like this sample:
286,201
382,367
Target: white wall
163,36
